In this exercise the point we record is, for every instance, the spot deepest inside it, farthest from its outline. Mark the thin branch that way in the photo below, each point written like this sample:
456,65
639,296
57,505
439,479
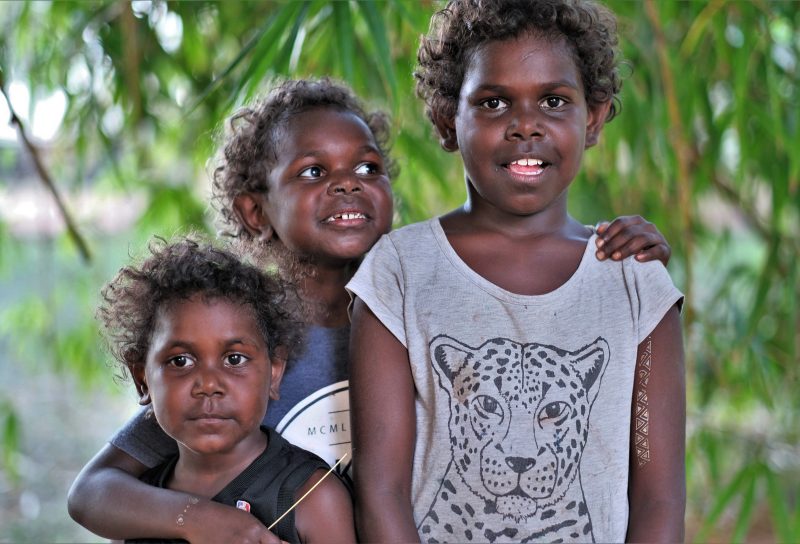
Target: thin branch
132,58
44,175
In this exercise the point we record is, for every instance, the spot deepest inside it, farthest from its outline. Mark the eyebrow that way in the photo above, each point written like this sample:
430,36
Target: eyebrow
179,343
550,85
312,153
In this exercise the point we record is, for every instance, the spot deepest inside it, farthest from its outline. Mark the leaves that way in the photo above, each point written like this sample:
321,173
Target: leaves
724,187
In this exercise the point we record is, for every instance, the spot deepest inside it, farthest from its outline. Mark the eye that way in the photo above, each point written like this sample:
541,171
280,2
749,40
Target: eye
311,172
553,102
368,169
235,359
485,405
554,413
180,361
493,103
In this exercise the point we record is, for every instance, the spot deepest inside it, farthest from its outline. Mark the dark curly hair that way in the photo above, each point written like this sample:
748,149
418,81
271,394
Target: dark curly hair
457,30
177,271
249,149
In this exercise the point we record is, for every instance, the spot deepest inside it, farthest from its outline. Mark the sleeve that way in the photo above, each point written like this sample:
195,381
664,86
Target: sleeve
144,440
379,283
655,295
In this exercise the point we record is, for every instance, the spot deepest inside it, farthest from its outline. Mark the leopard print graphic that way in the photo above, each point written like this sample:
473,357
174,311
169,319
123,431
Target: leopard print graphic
519,417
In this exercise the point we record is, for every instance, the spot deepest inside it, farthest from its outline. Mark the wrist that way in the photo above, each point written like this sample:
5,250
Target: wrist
188,516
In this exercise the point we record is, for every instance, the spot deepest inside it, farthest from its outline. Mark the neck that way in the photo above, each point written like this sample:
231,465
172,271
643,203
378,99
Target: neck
206,474
323,292
553,220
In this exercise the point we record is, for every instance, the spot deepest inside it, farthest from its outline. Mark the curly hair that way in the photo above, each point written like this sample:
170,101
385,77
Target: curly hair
250,146
463,25
177,271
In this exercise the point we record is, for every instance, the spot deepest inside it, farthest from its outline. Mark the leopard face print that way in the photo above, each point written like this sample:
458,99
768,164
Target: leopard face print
519,417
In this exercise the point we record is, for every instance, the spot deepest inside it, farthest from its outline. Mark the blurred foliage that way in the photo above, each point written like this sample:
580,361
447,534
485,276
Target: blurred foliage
707,147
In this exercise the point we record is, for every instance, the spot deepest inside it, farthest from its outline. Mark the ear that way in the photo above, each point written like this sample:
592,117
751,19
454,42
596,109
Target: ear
450,356
595,122
590,362
278,364
446,127
249,207
140,380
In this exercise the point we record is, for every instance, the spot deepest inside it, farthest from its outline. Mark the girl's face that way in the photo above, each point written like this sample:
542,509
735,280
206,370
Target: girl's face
208,374
329,196
522,124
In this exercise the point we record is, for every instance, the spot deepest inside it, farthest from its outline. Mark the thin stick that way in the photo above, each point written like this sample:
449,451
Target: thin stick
44,175
307,492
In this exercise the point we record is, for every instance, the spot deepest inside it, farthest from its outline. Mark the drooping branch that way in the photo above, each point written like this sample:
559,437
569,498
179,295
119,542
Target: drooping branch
44,175
682,147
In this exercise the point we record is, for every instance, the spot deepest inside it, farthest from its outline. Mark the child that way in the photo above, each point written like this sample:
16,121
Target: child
205,337
305,177
495,394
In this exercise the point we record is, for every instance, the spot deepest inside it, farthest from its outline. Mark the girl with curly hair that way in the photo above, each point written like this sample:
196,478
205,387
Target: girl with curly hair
505,384
302,181
205,338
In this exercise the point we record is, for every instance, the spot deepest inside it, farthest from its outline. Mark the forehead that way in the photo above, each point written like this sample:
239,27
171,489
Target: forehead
322,126
527,59
202,318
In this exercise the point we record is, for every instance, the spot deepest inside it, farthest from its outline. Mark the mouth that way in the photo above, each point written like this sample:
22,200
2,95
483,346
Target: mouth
527,166
207,417
347,217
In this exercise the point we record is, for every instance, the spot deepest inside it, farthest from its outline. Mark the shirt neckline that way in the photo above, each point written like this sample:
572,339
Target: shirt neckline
494,289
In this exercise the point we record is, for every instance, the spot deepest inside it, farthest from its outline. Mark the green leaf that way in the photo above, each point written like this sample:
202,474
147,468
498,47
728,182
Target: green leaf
344,34
777,499
378,31
723,500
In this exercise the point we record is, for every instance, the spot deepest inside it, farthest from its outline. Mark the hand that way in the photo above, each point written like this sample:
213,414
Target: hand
631,235
214,522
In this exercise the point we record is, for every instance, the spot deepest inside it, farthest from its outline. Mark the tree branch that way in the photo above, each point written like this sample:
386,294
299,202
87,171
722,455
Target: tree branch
44,175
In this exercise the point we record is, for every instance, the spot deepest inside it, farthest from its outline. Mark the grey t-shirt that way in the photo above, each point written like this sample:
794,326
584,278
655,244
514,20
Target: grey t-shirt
523,403
313,411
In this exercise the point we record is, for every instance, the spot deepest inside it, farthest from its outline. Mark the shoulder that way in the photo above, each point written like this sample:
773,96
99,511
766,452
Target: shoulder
414,232
392,251
646,274
326,512
159,474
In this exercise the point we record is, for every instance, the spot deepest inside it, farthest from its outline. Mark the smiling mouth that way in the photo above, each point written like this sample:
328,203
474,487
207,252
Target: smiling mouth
346,217
527,167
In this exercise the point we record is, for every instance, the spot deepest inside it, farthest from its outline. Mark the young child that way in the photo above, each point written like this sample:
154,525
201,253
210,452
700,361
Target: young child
495,392
304,177
205,337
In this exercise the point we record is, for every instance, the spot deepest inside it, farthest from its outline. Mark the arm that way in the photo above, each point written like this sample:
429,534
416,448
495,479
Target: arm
384,427
109,500
326,514
631,235
657,484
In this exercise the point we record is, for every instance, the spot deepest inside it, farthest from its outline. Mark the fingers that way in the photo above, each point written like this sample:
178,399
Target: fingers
660,252
631,235
626,226
620,247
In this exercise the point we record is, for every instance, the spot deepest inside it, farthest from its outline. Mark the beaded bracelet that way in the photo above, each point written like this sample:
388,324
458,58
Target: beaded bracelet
181,520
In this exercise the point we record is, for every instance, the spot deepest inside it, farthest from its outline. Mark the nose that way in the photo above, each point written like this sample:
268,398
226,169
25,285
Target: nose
525,123
520,464
208,381
345,183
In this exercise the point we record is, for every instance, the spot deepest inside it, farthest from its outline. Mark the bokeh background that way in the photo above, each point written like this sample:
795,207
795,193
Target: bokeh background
109,114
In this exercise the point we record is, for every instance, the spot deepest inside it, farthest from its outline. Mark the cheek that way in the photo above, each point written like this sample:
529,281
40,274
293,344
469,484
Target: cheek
384,204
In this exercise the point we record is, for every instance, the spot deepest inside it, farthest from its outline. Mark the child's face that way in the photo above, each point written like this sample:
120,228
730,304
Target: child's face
523,123
329,196
208,375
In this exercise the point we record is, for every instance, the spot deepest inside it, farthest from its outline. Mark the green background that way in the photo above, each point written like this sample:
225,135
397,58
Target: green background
707,147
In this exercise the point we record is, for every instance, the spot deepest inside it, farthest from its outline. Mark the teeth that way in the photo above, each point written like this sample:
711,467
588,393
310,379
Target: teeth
528,162
346,216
